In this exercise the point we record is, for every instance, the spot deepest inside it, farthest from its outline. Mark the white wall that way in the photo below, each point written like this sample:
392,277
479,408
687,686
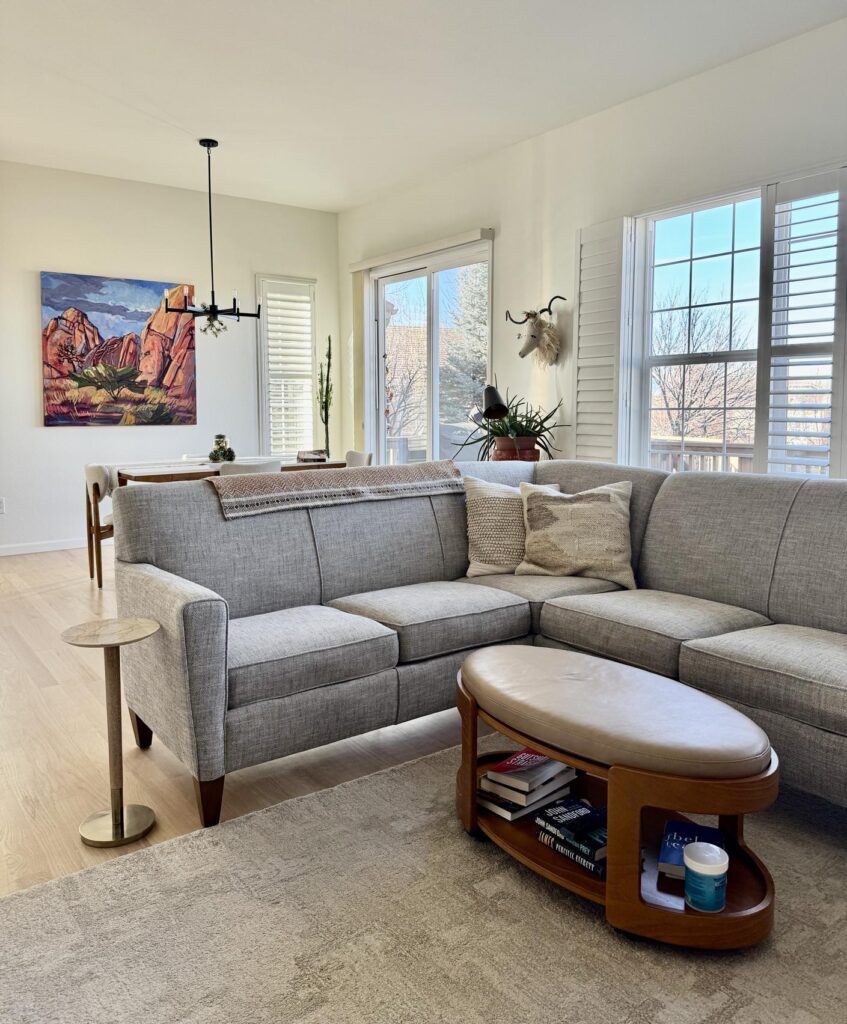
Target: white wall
79,223
780,110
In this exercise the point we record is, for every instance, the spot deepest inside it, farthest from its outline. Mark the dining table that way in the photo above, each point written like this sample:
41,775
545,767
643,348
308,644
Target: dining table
163,473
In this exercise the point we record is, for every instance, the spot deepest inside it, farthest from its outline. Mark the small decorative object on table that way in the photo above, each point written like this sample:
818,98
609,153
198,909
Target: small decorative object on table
221,451
311,455
325,392
522,433
120,824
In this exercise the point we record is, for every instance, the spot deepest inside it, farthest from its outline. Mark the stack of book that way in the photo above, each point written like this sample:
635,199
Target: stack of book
577,831
522,783
311,455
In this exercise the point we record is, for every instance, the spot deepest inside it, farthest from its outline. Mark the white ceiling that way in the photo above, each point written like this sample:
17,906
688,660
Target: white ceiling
328,103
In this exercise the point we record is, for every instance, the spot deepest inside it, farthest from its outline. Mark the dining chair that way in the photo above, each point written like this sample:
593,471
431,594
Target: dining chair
237,468
354,458
97,526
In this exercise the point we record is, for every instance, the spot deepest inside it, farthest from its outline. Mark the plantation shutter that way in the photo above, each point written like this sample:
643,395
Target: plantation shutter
800,388
288,344
600,317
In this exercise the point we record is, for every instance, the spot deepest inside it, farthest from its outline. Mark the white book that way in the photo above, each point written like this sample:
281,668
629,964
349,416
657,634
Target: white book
518,796
511,811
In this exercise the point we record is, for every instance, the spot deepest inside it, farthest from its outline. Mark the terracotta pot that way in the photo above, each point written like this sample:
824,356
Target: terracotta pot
512,449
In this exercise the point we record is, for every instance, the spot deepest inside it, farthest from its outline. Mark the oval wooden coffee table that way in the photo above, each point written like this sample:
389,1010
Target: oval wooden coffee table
120,824
593,708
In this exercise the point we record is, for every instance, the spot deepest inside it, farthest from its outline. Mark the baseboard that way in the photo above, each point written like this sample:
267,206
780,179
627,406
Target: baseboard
45,545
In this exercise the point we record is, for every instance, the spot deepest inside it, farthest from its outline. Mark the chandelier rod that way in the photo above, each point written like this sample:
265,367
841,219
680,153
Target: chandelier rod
211,243
211,312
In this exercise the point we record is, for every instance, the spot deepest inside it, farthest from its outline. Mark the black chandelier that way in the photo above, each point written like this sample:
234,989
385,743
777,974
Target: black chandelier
212,312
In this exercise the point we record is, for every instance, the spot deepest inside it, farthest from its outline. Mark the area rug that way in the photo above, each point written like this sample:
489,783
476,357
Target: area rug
367,904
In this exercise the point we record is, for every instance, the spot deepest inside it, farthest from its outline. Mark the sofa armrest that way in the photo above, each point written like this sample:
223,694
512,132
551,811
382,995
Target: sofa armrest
176,681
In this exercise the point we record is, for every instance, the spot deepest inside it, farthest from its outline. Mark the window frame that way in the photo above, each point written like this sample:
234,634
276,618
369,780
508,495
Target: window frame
637,363
638,366
263,374
429,265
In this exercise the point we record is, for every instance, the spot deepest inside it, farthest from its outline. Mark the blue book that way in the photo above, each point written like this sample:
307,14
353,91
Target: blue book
679,834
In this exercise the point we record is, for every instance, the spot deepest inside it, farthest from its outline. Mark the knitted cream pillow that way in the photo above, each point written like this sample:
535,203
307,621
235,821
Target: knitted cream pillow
496,532
584,534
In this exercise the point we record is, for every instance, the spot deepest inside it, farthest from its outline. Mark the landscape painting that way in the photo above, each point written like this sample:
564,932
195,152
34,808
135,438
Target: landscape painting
112,355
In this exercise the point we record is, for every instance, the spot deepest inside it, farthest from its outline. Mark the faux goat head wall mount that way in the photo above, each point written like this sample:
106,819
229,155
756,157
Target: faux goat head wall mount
541,335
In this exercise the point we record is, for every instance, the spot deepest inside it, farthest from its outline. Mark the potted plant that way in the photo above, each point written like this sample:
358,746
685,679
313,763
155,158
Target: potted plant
325,392
522,434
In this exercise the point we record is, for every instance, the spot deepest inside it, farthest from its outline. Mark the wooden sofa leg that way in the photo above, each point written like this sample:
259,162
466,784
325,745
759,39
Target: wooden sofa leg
209,798
143,732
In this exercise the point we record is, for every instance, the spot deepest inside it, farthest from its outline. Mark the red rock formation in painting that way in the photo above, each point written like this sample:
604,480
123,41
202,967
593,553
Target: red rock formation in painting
122,350
159,339
66,341
179,377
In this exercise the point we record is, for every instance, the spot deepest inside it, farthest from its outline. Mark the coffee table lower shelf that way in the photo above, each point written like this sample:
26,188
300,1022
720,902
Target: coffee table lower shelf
749,911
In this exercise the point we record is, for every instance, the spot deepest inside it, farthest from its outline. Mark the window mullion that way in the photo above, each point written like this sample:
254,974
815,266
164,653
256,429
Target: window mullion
838,442
766,296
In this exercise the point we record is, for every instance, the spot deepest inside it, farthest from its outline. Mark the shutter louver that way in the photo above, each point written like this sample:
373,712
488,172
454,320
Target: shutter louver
800,342
288,347
598,321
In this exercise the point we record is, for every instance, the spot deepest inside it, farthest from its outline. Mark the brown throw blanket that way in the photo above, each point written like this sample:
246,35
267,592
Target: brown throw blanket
255,493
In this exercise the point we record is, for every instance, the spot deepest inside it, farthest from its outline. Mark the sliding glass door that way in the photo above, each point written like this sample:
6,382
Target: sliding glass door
432,354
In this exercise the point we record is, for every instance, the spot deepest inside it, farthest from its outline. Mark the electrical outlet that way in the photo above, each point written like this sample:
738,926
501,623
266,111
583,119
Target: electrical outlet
2,506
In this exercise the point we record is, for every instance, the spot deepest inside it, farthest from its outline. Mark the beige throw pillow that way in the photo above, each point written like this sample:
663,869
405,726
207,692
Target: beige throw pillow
496,532
585,534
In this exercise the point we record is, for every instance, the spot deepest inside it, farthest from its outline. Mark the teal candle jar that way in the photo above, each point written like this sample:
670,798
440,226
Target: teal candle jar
706,867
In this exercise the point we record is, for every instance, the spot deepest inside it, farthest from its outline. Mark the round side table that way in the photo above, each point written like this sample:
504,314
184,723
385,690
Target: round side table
120,824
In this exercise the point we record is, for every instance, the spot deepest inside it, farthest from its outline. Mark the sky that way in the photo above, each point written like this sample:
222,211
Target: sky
410,298
114,305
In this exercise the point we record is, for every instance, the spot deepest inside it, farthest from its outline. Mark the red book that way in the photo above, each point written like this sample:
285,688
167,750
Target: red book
525,770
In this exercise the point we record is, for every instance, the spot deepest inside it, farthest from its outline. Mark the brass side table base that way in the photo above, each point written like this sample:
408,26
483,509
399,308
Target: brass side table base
98,830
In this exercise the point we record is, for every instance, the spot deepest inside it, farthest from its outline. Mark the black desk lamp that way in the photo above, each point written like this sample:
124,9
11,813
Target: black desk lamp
493,408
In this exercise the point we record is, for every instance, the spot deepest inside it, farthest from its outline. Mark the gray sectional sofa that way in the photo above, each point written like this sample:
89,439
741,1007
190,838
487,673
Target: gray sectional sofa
293,629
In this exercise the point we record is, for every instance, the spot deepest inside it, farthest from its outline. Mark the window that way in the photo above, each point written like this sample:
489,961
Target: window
287,347
702,330
432,322
739,354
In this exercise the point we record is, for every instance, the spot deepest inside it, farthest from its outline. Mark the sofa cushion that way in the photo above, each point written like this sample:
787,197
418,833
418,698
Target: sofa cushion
809,585
575,476
641,627
284,652
791,670
716,536
584,534
538,589
496,527
436,618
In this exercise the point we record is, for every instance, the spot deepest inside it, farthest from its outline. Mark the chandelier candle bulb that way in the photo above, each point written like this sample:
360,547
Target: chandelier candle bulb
706,867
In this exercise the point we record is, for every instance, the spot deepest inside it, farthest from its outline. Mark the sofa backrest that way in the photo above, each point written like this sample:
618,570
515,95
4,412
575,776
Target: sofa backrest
297,556
809,586
716,536
283,559
582,476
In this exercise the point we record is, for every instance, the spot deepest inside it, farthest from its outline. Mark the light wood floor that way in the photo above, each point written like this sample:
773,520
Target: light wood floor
53,765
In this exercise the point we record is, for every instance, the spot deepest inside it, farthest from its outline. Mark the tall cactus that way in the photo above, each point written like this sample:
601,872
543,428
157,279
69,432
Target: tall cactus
325,392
